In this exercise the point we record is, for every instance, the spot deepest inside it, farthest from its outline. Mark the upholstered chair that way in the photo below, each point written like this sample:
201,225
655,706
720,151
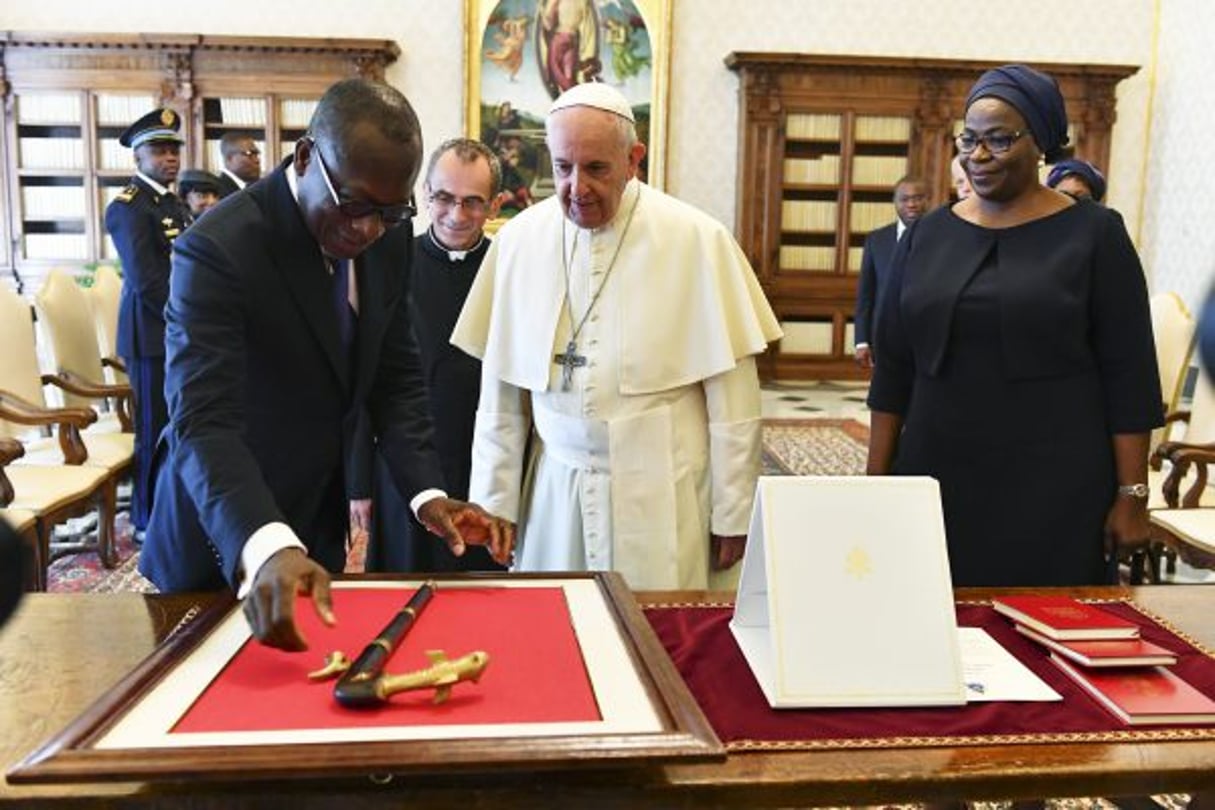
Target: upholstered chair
1173,328
1186,526
1191,429
104,296
65,471
66,318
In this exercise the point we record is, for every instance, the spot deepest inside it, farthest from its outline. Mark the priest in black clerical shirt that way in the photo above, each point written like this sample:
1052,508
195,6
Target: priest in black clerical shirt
463,181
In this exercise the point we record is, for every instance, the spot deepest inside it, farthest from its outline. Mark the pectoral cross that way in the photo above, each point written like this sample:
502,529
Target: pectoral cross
568,361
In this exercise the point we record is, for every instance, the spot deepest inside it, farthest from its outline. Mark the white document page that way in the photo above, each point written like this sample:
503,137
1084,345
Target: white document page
993,673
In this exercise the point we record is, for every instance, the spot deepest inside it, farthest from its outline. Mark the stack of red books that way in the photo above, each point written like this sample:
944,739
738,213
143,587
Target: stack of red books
1105,656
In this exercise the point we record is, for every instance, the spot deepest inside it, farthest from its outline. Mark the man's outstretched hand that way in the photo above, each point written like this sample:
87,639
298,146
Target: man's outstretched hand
460,523
270,604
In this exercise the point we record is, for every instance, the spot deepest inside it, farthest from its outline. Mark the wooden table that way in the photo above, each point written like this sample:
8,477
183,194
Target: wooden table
62,651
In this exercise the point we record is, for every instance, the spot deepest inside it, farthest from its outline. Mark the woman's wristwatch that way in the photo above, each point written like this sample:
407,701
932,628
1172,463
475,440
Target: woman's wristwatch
1134,490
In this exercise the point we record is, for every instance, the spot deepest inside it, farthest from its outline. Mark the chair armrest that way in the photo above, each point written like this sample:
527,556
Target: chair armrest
74,384
1156,460
1167,451
1201,456
10,449
1176,416
114,363
69,421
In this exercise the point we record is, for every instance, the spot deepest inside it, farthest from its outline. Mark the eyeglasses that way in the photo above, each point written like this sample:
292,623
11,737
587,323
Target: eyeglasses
250,152
473,205
996,142
390,215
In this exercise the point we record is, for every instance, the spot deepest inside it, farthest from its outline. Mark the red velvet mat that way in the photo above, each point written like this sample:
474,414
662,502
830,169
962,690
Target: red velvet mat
699,641
535,674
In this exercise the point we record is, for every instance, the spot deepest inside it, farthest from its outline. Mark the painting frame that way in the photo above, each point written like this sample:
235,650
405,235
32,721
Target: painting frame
80,752
523,89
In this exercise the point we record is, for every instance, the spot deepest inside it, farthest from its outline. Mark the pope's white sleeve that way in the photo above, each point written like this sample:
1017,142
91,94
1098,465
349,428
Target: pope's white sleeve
499,445
735,437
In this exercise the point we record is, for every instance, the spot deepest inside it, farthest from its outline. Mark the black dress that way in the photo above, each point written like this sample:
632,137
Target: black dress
1013,355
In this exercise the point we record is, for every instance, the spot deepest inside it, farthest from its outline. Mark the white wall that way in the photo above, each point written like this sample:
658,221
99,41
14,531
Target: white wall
1178,236
1165,193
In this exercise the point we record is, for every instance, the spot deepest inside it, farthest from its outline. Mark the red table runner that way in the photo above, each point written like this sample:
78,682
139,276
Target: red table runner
535,675
700,643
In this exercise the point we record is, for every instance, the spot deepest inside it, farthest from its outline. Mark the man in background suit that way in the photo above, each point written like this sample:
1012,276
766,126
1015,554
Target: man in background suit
287,319
910,202
143,220
242,162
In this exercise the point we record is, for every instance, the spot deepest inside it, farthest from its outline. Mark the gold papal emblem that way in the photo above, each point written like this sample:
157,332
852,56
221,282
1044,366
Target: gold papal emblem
857,563
167,117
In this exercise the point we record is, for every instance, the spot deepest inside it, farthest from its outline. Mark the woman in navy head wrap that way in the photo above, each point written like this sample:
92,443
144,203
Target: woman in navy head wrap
1018,366
1077,178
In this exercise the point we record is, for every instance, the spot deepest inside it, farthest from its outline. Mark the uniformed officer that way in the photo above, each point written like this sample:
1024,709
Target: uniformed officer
143,221
200,190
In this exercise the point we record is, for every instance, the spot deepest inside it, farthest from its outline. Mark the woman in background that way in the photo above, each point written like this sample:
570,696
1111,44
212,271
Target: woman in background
1077,178
1019,368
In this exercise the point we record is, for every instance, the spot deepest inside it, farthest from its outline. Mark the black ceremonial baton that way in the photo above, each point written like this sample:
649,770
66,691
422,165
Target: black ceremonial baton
361,686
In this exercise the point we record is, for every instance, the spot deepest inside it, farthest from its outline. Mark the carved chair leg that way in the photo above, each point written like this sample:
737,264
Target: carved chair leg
42,556
106,515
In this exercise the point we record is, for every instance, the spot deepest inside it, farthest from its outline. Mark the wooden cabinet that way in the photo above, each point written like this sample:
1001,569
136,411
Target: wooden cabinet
822,142
67,98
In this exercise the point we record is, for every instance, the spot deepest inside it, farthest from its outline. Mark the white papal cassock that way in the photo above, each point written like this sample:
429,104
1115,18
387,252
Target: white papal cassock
657,442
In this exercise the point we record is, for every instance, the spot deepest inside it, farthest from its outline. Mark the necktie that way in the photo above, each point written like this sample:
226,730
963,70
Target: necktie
341,304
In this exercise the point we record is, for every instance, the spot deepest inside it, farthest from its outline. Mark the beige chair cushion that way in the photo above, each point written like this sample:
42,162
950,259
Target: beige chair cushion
1194,526
66,316
19,372
105,295
106,423
1173,328
108,451
21,520
43,489
1201,428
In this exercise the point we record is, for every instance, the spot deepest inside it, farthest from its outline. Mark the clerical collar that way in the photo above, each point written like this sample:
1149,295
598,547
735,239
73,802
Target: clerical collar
453,255
157,187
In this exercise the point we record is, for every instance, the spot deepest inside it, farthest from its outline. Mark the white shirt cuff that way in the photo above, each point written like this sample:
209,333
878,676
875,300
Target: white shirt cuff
422,497
261,546
860,346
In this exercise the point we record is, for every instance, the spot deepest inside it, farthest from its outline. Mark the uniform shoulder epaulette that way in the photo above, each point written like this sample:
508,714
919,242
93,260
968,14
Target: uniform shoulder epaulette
127,194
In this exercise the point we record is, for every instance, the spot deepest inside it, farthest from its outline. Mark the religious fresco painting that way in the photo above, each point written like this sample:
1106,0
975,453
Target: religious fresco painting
522,54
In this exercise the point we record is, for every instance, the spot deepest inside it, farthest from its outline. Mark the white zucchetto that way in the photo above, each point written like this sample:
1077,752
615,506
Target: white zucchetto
597,95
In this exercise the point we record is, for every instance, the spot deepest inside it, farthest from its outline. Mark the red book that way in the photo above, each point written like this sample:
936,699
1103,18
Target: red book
1064,618
1117,652
1142,696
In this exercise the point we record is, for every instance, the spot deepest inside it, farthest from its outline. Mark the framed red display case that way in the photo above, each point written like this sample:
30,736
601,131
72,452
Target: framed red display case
577,678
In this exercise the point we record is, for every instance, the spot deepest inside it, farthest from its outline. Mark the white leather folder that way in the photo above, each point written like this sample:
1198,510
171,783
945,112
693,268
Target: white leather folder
845,596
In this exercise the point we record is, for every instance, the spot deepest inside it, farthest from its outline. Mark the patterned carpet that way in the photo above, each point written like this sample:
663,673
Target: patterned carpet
814,447
791,447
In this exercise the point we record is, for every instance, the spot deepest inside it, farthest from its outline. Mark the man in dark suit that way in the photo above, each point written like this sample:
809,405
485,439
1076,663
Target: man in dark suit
910,202
287,318
242,162
143,220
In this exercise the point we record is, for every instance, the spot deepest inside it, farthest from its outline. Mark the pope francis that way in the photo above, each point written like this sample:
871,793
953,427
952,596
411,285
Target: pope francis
619,419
